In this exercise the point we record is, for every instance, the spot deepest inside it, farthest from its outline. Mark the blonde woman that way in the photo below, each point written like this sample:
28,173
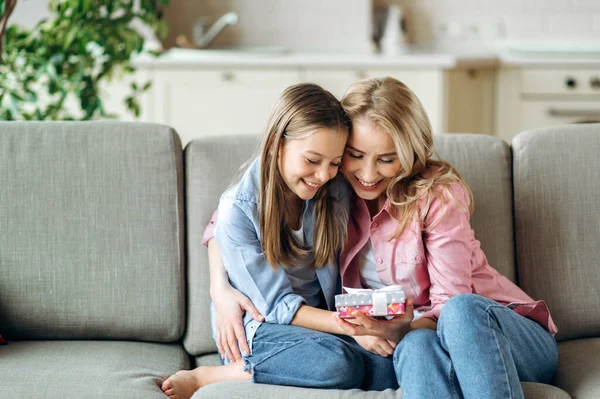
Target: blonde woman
478,334
280,230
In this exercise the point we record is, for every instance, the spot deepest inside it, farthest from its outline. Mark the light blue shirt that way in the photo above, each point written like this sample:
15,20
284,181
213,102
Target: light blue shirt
238,234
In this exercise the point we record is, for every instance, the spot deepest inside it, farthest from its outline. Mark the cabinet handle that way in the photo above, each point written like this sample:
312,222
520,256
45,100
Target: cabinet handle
574,113
228,76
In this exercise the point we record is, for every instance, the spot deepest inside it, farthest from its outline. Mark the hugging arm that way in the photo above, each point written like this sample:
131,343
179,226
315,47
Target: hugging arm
230,305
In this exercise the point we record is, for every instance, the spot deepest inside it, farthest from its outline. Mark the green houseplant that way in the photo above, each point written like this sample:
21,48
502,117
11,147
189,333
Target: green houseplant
66,57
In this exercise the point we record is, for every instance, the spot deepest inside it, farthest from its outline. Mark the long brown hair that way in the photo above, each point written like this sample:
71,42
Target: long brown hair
391,105
301,110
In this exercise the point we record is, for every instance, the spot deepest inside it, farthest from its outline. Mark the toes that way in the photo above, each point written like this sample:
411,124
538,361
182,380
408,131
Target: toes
166,385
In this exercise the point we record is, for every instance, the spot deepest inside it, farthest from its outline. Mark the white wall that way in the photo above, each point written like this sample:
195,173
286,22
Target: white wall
344,25
545,20
28,12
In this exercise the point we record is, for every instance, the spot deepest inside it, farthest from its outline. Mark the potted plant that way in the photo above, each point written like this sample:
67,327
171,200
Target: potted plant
65,58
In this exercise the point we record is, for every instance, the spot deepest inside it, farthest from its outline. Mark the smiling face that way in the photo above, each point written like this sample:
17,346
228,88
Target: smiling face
370,161
306,164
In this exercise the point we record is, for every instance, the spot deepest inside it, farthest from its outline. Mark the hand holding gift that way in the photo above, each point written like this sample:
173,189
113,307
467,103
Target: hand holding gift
392,330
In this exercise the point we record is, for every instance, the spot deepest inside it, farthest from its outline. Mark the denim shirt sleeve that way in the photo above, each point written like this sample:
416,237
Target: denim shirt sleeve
270,290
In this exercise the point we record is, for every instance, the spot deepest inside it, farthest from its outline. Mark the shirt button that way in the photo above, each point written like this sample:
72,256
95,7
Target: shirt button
380,261
375,225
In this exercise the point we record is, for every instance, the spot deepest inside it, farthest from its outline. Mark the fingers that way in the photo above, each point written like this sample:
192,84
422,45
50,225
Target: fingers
219,345
387,348
232,342
362,319
382,348
225,346
240,335
409,314
249,307
346,327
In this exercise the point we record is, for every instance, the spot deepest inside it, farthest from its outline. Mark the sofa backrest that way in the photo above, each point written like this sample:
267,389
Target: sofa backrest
557,223
211,163
485,163
91,231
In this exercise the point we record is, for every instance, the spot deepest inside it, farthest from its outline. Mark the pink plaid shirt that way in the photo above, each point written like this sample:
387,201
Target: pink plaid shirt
433,265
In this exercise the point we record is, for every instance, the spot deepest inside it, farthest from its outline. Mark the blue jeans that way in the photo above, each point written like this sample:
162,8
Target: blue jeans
481,350
296,356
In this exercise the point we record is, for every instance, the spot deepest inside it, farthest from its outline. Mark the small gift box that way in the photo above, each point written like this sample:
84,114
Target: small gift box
386,301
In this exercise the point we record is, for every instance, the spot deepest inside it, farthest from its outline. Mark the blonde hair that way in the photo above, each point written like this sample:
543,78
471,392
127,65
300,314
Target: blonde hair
392,106
301,110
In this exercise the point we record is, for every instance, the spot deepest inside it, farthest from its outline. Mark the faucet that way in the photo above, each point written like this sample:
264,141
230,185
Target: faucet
203,37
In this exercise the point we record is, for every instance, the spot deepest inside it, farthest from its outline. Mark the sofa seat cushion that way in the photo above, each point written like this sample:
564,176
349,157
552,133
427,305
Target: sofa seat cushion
247,390
87,369
578,370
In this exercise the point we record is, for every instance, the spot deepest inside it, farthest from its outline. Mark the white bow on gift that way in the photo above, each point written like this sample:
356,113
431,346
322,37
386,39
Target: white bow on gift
379,296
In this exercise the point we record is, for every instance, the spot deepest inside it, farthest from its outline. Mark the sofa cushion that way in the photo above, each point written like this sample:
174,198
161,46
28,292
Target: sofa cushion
485,163
91,240
247,390
557,215
211,163
578,370
87,369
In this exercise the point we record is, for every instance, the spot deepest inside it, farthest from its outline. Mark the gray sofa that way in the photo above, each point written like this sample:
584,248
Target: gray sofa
104,280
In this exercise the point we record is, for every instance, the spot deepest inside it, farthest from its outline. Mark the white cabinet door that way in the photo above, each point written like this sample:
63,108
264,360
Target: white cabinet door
217,102
428,84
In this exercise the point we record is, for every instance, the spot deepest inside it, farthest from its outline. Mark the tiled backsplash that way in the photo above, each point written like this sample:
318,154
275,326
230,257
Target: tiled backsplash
547,20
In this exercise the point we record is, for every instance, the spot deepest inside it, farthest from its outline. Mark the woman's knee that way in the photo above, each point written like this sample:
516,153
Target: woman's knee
415,345
463,307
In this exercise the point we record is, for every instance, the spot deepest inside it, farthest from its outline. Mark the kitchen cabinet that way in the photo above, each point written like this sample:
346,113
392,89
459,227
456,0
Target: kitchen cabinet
216,102
115,91
470,100
198,102
544,96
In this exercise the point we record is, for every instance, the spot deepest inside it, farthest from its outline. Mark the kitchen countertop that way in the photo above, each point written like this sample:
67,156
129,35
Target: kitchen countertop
219,58
413,57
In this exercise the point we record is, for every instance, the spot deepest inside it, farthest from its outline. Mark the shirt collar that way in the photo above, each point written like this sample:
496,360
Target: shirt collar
388,208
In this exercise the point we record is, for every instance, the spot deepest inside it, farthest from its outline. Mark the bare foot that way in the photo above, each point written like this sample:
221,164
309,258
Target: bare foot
184,383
